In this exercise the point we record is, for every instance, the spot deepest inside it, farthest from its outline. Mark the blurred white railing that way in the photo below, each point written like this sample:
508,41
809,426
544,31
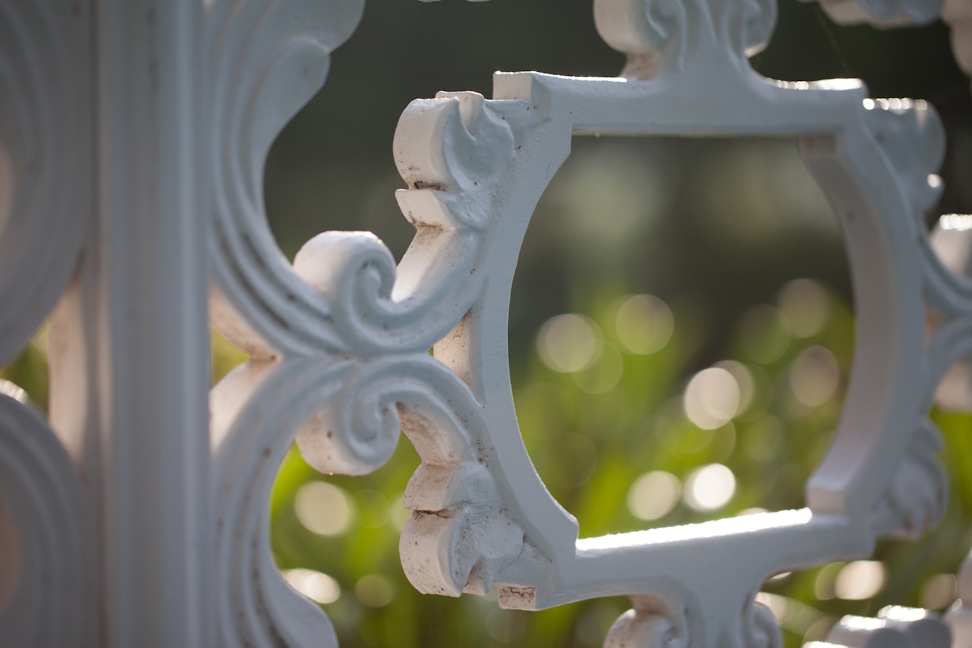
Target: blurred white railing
132,141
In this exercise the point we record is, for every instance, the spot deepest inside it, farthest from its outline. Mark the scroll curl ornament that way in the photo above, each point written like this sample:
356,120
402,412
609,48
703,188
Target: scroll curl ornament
250,438
46,548
44,167
267,59
46,543
264,69
339,341
261,406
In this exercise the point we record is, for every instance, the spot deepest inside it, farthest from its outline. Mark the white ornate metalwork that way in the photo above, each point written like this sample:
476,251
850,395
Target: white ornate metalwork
43,153
46,564
45,535
338,342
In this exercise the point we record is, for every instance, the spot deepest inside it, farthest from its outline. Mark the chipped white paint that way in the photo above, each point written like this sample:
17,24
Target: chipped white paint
338,341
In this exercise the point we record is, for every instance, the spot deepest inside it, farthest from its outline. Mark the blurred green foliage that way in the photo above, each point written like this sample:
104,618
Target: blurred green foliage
718,231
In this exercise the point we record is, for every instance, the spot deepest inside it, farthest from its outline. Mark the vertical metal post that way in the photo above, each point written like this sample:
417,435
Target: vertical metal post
130,371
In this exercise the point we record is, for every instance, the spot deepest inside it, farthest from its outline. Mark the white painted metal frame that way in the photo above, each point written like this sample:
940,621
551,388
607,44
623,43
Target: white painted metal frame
122,548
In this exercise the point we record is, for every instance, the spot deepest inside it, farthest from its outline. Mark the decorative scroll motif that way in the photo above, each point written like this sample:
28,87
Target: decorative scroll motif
881,478
44,193
884,13
266,60
338,342
45,540
46,548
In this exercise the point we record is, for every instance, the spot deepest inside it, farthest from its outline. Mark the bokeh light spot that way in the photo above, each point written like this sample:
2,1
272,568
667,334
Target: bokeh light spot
314,585
505,626
823,584
805,306
712,398
644,324
744,380
603,375
776,604
710,487
860,580
14,391
569,343
374,590
324,508
654,495
939,591
815,376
